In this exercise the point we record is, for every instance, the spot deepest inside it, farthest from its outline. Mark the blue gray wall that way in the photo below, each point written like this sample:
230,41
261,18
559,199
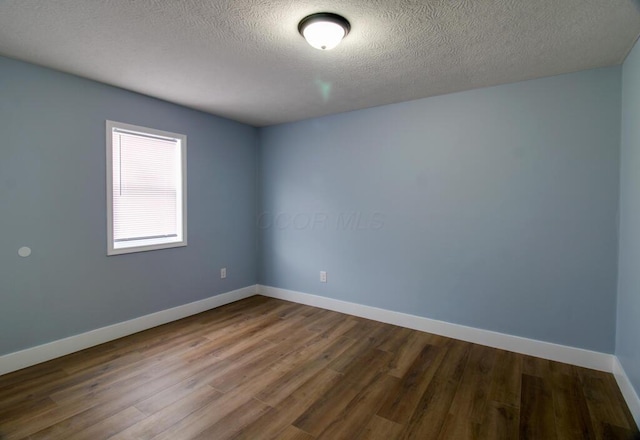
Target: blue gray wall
628,331
52,199
493,208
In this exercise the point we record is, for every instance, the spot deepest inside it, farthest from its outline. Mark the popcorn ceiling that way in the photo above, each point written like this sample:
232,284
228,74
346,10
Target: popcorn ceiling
244,59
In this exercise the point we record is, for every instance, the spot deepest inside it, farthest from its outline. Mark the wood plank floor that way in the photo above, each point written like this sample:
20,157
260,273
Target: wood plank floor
268,369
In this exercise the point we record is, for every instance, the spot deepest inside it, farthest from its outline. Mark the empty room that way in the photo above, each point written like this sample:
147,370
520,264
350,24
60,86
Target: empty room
359,220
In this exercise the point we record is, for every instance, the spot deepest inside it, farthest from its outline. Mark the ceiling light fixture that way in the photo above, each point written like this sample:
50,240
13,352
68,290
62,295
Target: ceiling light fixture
324,30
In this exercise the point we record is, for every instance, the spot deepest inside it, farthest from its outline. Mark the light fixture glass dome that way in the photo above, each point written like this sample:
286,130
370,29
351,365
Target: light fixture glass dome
324,30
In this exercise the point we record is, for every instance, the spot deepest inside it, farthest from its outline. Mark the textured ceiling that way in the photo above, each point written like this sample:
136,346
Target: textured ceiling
245,60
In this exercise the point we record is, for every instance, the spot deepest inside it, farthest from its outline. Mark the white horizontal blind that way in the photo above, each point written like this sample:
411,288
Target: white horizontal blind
146,187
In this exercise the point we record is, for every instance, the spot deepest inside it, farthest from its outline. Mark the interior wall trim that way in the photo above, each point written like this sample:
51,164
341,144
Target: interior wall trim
555,352
546,350
629,393
51,350
561,353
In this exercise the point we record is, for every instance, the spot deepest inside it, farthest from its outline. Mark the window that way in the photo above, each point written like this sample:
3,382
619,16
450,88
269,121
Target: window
146,189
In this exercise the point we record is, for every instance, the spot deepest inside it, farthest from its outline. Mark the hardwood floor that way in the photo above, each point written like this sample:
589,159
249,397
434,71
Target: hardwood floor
268,369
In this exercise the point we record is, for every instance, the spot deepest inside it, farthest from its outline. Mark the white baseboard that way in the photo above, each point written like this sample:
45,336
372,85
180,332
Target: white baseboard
629,393
546,350
45,352
561,353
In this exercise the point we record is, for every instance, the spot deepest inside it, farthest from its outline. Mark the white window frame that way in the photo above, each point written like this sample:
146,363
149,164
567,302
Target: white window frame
143,245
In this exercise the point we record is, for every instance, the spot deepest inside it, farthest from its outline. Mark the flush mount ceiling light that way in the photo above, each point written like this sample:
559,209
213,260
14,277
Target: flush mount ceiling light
324,30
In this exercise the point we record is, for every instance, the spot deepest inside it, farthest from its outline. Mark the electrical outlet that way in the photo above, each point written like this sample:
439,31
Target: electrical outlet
323,276
223,272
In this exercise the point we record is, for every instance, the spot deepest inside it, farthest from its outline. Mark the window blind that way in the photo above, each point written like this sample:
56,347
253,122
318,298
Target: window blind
146,186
